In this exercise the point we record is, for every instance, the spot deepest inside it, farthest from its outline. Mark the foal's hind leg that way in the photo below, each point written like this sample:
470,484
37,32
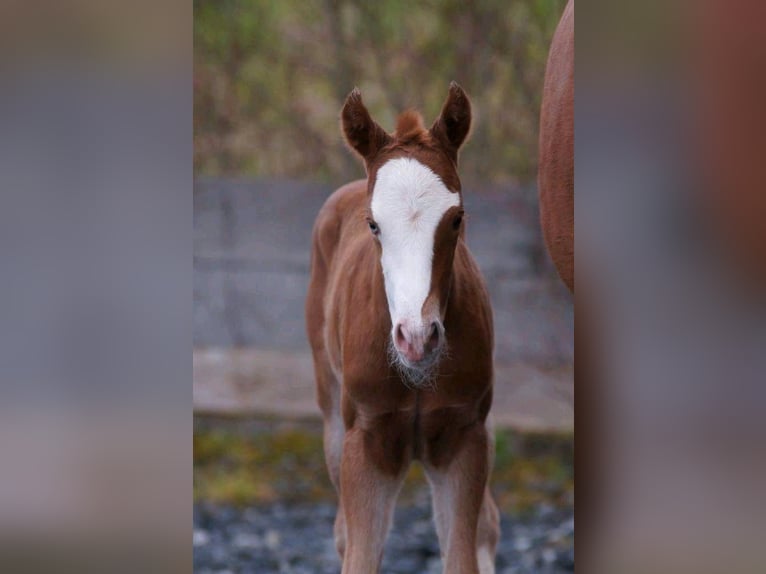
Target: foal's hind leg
328,391
333,450
487,534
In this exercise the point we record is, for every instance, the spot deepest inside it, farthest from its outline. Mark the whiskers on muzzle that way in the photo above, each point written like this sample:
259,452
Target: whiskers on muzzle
420,377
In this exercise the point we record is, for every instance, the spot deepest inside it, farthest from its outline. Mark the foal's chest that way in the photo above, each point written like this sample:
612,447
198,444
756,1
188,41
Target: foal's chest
426,424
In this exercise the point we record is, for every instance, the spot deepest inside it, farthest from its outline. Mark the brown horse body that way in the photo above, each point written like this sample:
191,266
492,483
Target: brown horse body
379,414
556,154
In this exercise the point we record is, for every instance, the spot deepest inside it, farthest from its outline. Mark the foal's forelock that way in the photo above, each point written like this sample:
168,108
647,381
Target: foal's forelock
408,203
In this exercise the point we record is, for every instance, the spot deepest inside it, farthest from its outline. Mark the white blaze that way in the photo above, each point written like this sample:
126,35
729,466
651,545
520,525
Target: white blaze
408,202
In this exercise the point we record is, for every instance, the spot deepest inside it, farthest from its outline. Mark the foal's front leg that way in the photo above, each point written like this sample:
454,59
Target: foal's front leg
372,472
467,520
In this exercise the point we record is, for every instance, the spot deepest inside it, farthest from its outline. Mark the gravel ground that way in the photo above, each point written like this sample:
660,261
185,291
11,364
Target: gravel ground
297,539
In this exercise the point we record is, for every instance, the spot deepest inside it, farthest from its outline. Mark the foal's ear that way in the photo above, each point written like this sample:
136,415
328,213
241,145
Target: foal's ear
361,132
453,124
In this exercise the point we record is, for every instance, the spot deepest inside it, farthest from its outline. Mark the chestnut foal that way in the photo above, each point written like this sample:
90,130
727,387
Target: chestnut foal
393,286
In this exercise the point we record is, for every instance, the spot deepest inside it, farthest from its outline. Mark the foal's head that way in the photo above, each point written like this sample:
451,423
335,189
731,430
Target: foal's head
415,216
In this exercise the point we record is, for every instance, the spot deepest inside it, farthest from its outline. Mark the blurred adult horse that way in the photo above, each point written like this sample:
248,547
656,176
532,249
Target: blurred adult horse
555,176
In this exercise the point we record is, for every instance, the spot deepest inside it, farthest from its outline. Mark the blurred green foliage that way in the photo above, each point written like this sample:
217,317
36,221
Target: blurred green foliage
232,466
270,78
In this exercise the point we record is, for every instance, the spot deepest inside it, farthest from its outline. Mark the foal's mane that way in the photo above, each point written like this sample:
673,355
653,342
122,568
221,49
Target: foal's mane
411,138
410,129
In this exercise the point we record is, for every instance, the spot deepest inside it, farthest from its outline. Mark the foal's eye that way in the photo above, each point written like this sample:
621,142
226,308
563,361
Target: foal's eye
373,227
457,221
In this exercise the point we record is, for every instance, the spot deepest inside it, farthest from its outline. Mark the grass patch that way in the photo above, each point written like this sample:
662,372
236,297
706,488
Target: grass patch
261,462
249,468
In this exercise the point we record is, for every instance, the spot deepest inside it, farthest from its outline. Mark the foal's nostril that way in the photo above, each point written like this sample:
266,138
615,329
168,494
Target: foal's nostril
399,334
433,336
